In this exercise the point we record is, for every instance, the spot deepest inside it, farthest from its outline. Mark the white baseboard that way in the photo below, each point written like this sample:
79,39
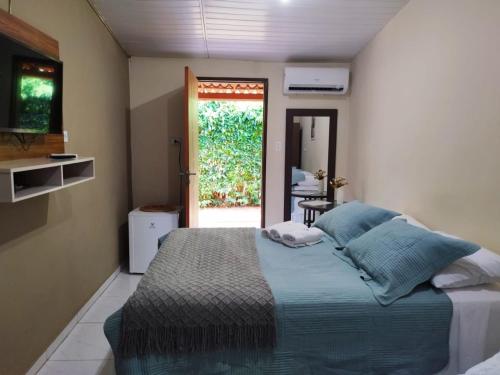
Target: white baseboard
65,332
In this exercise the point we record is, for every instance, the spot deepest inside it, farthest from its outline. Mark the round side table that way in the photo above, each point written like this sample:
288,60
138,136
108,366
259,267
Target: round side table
308,194
312,206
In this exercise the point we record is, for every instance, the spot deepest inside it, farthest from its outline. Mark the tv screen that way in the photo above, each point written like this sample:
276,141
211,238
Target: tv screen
30,90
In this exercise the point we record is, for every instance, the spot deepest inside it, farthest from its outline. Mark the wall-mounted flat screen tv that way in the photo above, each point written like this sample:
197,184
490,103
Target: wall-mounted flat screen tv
30,90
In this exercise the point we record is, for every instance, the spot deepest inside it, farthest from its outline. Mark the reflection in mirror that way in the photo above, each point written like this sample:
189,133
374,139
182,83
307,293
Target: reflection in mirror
309,155
311,142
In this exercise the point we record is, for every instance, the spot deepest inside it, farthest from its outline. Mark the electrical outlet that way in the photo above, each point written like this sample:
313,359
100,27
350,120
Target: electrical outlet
66,136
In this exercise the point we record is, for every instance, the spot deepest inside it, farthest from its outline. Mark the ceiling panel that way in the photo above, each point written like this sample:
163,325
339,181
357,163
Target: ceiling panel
271,30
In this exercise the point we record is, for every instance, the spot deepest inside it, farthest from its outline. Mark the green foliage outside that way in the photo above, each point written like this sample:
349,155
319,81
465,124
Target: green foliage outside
230,153
36,97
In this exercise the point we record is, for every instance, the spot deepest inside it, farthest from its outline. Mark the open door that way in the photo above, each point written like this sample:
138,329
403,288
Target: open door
191,148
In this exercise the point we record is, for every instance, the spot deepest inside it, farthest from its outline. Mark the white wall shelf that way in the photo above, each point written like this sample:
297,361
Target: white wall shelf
28,178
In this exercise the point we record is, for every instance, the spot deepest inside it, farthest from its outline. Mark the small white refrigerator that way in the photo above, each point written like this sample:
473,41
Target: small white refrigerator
145,229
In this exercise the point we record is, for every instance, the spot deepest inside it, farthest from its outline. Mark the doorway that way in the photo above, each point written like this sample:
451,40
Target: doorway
231,152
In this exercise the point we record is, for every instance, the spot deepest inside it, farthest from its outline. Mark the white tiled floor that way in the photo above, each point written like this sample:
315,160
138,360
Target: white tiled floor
86,351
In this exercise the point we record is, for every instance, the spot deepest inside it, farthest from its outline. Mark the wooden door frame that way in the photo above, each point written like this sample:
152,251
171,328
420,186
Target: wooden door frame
265,82
190,87
332,151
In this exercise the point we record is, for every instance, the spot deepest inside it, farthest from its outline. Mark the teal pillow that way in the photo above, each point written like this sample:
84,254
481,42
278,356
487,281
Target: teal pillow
297,175
351,220
395,257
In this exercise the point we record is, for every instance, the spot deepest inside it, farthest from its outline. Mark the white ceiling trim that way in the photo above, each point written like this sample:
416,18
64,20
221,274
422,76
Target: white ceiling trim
204,27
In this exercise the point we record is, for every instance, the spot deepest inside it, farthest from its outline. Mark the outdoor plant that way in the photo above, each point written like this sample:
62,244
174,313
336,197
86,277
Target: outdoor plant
230,153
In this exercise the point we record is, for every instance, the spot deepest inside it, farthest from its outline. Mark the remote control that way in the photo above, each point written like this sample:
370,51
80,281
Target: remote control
63,156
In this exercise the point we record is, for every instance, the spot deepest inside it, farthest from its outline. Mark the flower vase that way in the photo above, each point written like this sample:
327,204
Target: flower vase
339,196
321,186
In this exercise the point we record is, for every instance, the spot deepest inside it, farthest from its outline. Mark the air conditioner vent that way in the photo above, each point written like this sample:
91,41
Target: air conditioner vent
326,81
311,88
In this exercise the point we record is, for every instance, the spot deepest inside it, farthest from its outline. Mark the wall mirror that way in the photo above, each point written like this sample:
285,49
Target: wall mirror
311,142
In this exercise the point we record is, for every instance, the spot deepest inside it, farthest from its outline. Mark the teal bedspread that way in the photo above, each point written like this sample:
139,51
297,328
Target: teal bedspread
328,322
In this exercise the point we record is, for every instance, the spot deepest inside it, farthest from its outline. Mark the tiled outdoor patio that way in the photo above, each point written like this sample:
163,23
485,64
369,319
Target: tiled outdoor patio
229,217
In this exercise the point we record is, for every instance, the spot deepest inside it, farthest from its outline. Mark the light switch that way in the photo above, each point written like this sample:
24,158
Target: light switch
277,146
66,136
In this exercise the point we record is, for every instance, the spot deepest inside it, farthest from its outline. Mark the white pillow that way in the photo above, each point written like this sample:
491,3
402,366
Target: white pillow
482,267
411,220
488,367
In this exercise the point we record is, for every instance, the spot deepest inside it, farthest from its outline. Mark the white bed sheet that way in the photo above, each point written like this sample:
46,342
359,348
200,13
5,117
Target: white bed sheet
475,327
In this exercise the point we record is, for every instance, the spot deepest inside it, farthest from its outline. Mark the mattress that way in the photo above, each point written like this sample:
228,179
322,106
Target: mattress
475,326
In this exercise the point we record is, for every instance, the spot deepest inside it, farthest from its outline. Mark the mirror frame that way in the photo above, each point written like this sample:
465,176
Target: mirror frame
332,151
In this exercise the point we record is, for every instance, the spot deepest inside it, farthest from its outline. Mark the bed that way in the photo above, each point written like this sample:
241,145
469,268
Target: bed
329,323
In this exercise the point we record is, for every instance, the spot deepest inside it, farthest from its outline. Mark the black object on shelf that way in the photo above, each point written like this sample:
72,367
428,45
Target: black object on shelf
63,156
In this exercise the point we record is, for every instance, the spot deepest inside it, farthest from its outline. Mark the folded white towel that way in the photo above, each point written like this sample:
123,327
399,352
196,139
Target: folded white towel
276,231
310,180
306,188
308,183
302,237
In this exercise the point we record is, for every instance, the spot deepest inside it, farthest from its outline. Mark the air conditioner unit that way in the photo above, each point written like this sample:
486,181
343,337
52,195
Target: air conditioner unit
329,81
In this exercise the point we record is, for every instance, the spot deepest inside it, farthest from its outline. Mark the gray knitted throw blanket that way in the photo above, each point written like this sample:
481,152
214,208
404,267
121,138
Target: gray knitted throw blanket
203,291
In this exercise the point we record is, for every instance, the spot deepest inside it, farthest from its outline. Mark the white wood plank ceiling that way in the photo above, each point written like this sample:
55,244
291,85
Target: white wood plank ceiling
268,30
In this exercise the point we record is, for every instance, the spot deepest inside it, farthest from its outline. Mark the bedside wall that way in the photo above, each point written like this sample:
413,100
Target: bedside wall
425,117
56,250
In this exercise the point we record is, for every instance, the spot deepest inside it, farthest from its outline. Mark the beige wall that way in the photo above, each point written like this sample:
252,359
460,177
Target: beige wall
315,152
156,89
56,250
425,117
